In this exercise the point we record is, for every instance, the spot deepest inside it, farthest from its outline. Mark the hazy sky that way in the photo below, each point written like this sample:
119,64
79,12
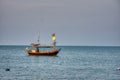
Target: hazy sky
75,22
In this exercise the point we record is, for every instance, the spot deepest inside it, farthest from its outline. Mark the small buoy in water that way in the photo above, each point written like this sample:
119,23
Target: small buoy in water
118,68
7,69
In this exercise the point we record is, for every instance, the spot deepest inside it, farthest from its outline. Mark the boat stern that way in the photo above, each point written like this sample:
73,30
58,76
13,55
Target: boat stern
28,50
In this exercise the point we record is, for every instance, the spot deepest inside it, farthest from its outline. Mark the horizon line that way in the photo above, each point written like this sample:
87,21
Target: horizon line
67,45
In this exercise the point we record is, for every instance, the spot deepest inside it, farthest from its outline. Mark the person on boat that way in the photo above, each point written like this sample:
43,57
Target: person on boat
37,49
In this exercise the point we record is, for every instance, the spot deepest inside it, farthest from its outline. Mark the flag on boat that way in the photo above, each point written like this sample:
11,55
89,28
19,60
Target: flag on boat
53,37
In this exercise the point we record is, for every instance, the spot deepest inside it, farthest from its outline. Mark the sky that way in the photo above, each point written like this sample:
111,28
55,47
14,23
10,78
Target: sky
75,22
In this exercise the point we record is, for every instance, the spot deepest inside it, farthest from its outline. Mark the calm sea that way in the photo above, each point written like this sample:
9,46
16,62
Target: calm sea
72,63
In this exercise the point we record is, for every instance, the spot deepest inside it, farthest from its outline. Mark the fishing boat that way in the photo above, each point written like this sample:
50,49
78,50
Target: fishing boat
37,47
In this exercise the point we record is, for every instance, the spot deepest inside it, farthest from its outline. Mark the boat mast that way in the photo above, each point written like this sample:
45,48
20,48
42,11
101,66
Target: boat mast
38,42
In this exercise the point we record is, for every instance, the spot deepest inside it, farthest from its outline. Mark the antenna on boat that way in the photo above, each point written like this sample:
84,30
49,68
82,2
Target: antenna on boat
38,38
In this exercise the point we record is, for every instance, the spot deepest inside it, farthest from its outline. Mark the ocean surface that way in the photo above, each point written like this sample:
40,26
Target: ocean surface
72,63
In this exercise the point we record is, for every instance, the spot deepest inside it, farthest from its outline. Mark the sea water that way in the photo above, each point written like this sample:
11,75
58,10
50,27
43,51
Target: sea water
71,63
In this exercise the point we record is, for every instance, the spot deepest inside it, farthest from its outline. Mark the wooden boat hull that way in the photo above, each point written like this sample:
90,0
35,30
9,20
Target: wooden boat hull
49,53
